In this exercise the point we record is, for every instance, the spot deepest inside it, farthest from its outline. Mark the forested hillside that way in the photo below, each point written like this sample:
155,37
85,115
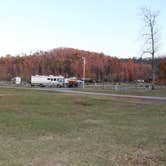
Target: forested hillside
68,62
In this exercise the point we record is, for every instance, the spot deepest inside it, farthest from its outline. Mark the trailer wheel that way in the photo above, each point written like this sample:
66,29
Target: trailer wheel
41,85
58,86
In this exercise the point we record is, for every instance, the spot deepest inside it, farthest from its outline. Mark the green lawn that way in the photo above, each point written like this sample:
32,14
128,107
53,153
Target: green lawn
39,128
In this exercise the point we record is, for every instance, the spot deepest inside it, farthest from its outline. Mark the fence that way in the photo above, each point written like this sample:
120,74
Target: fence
123,86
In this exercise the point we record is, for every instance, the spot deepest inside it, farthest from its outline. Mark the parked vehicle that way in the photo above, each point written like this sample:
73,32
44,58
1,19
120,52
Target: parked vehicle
16,80
53,81
72,82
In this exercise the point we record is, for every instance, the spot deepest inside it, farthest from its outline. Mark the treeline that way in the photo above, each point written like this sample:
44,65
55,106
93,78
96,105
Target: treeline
68,62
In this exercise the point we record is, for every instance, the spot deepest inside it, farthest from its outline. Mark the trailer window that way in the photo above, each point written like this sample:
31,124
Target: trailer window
48,78
54,79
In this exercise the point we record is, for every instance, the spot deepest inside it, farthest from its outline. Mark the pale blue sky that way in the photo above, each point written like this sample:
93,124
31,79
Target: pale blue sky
109,26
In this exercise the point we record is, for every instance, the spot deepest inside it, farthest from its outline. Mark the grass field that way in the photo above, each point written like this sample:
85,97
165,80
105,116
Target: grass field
39,128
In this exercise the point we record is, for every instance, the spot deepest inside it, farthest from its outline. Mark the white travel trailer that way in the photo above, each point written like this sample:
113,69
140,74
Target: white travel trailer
16,80
56,81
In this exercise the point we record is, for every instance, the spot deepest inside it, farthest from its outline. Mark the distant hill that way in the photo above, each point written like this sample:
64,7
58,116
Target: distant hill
68,62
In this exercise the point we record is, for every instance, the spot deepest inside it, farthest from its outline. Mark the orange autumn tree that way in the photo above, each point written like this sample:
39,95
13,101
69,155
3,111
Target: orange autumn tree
130,68
162,70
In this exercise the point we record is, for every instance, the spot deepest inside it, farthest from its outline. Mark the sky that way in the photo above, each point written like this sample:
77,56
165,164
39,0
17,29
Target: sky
109,26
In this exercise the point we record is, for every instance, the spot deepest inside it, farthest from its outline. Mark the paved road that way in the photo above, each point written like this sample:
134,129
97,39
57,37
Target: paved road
67,90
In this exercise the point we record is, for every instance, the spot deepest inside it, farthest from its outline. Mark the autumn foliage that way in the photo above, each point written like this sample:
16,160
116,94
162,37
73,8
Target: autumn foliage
162,71
68,62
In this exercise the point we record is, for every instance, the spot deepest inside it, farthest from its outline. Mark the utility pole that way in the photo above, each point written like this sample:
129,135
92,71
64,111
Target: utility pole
83,58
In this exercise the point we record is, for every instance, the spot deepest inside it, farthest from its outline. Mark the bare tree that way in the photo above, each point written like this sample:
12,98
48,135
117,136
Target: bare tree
151,36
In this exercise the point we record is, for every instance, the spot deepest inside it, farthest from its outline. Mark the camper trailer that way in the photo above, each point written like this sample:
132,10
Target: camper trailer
16,80
52,81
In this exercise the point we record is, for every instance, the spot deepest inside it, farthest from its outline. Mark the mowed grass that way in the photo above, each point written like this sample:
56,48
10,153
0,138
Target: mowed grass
46,128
